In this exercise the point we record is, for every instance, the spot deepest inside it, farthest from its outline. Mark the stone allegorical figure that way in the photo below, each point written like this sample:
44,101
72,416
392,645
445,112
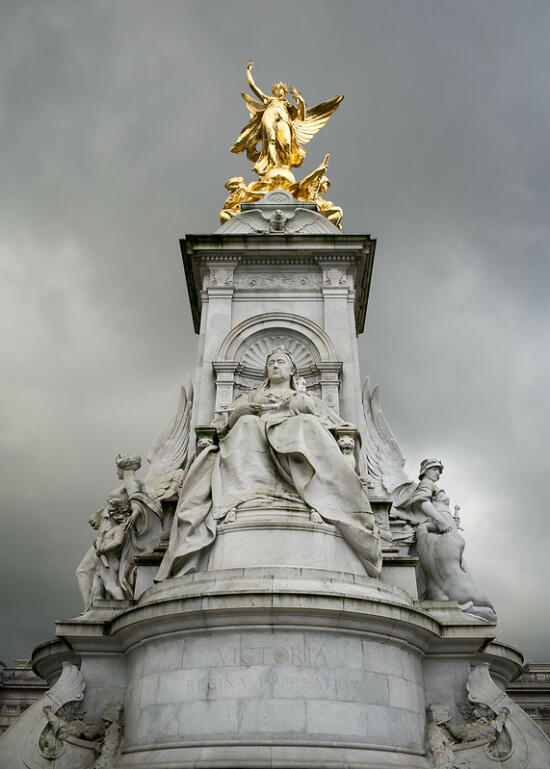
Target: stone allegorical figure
132,521
62,729
114,532
485,734
439,744
145,523
423,513
109,747
439,545
281,128
87,568
105,738
275,446
487,725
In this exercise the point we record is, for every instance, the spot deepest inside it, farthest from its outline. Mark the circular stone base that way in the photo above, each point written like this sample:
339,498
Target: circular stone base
281,537
260,756
275,667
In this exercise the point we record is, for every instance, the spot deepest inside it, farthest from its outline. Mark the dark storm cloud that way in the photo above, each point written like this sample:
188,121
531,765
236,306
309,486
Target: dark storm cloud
116,120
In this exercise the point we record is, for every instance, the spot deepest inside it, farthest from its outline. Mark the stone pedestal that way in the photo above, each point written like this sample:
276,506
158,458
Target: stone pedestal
280,538
280,651
277,665
250,293
245,665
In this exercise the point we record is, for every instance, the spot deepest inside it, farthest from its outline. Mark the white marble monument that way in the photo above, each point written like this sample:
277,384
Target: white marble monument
276,591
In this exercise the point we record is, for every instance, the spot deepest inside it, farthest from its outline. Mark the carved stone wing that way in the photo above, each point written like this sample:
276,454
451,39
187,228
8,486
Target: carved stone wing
69,687
385,462
314,119
246,223
170,452
481,688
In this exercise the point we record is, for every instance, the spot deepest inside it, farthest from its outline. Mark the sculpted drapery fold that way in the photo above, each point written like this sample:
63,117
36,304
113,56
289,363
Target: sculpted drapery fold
277,449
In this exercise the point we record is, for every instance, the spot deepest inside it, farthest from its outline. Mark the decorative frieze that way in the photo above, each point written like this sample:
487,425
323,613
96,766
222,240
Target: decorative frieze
278,280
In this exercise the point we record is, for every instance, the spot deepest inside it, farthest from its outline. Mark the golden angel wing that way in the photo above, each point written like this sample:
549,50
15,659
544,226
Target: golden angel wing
314,119
252,105
250,135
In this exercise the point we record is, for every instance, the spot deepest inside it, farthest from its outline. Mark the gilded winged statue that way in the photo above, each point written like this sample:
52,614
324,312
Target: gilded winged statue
280,127
274,140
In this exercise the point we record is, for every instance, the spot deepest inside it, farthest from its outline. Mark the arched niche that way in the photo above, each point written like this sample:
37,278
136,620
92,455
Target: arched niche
243,352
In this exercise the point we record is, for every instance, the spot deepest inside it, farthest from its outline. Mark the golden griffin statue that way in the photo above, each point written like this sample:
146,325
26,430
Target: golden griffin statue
273,140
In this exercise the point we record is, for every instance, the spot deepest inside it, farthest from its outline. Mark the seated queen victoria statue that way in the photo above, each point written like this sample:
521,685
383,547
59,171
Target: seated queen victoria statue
275,447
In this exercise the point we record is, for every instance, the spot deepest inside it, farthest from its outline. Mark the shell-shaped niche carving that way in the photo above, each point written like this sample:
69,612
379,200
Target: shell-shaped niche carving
255,354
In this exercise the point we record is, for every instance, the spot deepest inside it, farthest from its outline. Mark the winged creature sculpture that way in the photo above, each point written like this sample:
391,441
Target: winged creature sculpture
280,128
274,140
429,526
385,462
132,520
169,455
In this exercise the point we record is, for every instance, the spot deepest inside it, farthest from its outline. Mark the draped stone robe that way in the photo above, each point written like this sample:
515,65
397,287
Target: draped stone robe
281,455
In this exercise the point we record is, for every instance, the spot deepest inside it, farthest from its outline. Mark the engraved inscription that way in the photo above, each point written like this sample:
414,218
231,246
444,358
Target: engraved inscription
216,684
268,655
315,685
287,683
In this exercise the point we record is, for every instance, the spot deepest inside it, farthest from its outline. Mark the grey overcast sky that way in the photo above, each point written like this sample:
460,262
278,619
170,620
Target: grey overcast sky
115,123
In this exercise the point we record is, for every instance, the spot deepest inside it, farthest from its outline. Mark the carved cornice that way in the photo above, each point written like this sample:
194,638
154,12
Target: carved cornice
356,251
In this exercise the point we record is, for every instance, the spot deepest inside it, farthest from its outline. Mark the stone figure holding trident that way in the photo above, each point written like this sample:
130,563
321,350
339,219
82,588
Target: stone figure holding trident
281,128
